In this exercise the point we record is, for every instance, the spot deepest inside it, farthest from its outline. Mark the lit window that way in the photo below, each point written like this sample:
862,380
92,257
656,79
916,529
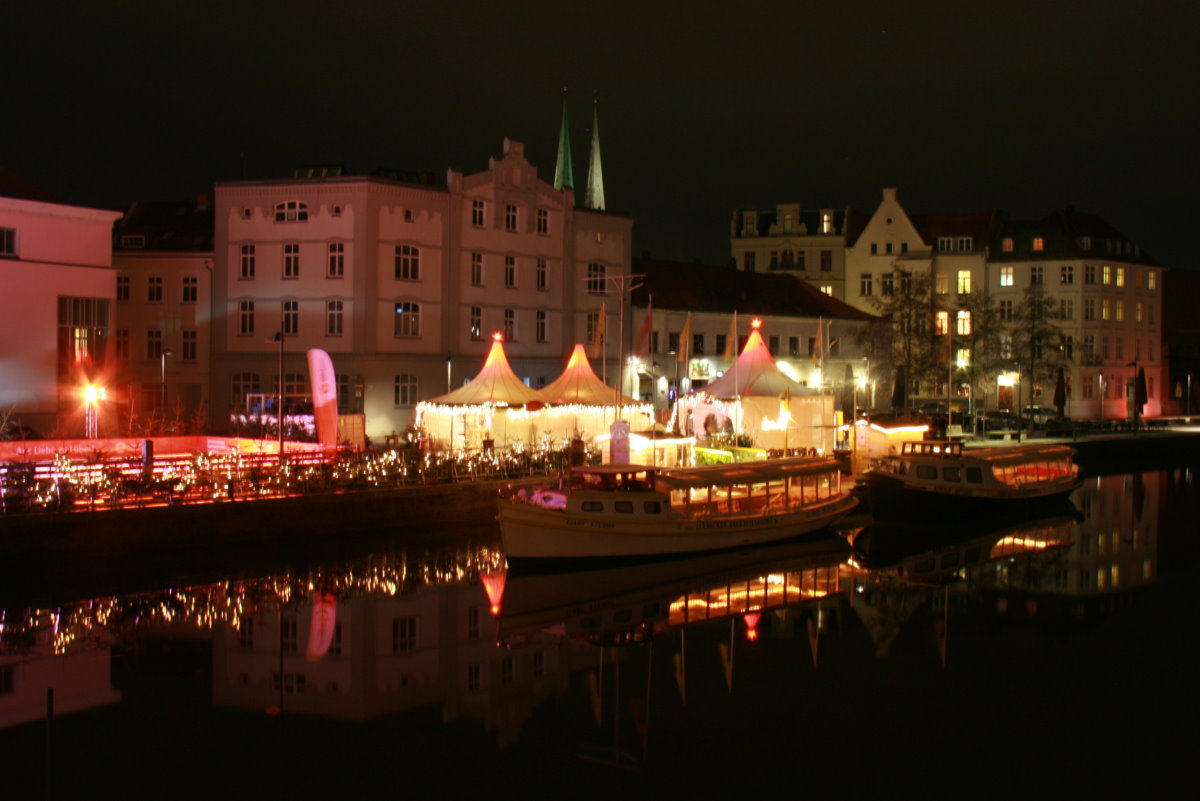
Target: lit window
1120,311
1151,280
962,323
1120,276
827,289
964,282
1039,243
1006,244
1106,274
827,222
1006,276
1104,309
941,323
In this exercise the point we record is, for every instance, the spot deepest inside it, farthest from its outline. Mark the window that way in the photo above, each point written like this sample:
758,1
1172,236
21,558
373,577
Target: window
1106,275
1039,243
962,323
1120,311
794,347
476,329
191,286
1151,280
1085,243
543,221
476,269
404,634
1104,309
1089,346
333,318
510,217
510,325
827,222
748,261
190,349
474,674
408,319
404,390
408,263
8,242
1066,309
510,271
719,345
541,275
1066,274
1120,276
122,287
826,289
945,243
593,322
1089,309
506,670
887,285
964,282
1137,312
1120,343
477,213
247,262
874,248
243,384
941,283
941,323
154,289
904,247
1006,346
1089,387
122,343
864,285
291,259
826,261
1006,244
291,317
337,260
291,211
672,342
1037,275
540,329
539,664
785,261
1006,276
595,279
154,340
1089,273
966,244
1006,311
774,262
773,345
246,318
888,248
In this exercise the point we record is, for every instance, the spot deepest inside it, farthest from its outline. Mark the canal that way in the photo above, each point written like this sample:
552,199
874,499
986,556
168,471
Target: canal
1038,656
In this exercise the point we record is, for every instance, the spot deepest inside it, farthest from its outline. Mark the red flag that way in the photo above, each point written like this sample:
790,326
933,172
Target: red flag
643,338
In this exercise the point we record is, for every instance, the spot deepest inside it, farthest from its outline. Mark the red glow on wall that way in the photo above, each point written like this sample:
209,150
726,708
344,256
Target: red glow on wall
494,584
751,620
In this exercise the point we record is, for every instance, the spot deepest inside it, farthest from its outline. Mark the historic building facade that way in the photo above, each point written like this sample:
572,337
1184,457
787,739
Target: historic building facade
807,243
403,281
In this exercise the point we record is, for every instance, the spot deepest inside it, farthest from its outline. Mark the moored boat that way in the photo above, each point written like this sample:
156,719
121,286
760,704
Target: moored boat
940,479
623,510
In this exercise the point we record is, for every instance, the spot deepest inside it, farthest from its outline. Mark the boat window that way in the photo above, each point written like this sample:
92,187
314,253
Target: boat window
975,475
652,507
926,471
952,473
592,506
624,507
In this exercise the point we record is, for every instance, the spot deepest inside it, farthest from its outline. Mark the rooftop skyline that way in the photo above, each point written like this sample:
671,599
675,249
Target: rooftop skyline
702,108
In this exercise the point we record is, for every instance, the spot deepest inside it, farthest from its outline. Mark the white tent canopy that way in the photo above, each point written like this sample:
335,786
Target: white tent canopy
579,384
495,384
754,374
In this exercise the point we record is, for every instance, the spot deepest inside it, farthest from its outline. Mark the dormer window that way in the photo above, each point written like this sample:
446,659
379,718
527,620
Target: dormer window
1006,244
945,244
1039,243
827,222
1085,243
965,244
291,211
131,241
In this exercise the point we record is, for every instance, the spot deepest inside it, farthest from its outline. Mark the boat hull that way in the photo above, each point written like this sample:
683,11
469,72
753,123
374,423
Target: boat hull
532,532
892,499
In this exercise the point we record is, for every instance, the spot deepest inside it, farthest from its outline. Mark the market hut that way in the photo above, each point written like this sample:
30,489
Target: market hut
583,406
493,408
756,399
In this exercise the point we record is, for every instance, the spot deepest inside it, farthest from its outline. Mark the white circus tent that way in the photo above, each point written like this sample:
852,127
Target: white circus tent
581,405
755,398
495,405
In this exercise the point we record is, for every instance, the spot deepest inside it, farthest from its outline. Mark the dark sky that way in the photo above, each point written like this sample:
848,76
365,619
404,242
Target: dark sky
964,106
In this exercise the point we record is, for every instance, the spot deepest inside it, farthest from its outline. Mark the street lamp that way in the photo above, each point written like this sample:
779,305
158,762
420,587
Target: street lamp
162,379
279,410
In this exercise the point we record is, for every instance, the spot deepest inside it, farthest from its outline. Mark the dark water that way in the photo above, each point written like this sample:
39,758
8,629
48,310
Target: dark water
1050,656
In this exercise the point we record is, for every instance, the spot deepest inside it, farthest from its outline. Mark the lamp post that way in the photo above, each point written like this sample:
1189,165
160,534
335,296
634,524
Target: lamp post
162,378
279,410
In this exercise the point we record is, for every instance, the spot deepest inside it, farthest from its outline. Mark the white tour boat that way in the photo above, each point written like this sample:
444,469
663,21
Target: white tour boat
620,510
943,479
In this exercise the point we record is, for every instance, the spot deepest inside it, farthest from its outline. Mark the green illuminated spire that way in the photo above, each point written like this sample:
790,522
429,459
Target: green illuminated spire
594,196
564,177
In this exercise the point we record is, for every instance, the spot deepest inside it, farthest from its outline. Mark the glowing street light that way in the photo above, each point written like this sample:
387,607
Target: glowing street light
92,395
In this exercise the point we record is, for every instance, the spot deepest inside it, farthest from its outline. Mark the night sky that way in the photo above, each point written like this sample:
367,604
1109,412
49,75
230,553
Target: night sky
1023,106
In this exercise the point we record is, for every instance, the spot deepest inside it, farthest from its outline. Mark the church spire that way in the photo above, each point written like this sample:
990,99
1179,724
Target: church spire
564,176
594,196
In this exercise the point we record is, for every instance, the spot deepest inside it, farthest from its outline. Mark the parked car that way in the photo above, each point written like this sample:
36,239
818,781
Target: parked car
1039,415
999,419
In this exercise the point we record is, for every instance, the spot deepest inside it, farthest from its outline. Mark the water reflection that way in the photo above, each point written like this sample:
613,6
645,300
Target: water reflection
453,630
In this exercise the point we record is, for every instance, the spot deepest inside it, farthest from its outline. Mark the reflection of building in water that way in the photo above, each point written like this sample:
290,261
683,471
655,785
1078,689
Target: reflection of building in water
432,645
78,674
1116,545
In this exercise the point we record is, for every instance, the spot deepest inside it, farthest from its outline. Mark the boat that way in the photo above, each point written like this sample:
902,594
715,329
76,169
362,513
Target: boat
940,479
635,510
